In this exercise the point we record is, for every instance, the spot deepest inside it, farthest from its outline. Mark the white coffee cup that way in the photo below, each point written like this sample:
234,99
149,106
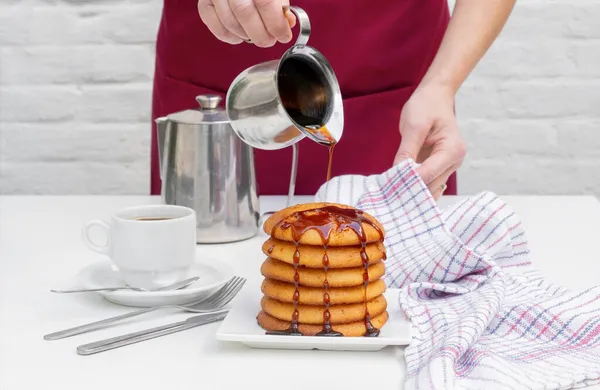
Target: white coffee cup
151,246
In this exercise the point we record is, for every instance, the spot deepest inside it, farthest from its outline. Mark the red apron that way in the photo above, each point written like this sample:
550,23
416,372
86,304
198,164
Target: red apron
379,52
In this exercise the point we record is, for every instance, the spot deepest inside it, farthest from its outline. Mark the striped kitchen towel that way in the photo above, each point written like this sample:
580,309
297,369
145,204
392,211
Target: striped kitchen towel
482,316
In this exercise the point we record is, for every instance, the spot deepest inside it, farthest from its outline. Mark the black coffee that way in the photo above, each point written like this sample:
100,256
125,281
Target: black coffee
152,218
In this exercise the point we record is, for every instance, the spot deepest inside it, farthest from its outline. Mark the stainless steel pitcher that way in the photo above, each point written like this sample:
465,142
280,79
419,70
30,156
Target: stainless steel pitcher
205,166
275,104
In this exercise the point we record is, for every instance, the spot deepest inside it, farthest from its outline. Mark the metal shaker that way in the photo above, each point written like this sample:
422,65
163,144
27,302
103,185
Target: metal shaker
205,166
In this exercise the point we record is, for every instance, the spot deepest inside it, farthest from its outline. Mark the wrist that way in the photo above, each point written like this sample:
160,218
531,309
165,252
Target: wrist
437,88
443,77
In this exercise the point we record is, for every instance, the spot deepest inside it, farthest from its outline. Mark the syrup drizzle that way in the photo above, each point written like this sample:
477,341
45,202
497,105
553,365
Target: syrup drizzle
327,330
323,136
371,330
324,220
330,161
293,329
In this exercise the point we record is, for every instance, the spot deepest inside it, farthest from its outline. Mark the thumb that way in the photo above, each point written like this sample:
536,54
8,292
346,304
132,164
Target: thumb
411,143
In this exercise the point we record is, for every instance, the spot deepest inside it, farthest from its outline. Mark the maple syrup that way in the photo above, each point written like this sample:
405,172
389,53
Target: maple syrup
325,220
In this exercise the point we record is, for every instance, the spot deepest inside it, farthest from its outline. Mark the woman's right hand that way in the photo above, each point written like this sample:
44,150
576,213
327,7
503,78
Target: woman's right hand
263,22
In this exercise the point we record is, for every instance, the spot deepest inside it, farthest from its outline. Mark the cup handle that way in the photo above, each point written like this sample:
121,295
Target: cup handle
85,234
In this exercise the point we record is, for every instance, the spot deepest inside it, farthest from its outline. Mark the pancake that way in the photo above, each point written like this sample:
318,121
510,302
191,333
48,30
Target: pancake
312,255
313,314
283,223
352,329
315,277
284,292
324,269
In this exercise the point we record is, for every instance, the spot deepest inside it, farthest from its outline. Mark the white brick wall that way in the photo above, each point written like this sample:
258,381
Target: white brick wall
75,85
76,78
530,112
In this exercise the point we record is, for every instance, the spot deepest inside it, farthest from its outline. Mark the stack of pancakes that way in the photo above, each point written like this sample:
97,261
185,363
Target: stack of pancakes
321,252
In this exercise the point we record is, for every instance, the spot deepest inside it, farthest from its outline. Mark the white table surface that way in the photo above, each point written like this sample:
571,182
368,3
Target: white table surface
40,248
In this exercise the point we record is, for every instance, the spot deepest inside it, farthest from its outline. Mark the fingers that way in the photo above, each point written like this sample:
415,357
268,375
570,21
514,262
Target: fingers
437,194
413,136
289,15
274,19
209,17
438,185
424,153
228,19
249,18
291,18
260,22
449,154
440,152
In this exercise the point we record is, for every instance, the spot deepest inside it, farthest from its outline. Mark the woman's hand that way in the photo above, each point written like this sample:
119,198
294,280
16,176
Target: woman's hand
430,136
261,21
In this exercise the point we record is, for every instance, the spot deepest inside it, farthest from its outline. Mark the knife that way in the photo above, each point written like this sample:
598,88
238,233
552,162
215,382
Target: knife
136,337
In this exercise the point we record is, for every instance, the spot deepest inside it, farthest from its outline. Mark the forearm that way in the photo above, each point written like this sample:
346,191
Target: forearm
474,26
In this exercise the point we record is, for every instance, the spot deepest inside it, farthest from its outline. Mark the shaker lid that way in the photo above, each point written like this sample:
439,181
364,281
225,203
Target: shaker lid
209,112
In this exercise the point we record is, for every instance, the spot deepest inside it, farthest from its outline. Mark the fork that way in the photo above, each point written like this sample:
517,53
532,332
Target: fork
212,304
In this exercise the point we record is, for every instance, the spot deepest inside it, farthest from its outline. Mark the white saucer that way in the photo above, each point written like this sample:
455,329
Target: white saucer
212,273
240,326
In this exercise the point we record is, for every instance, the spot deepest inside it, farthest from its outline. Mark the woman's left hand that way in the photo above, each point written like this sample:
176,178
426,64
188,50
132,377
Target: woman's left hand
430,136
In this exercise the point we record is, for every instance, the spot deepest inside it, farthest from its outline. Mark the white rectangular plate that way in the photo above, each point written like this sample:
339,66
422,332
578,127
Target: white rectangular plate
240,326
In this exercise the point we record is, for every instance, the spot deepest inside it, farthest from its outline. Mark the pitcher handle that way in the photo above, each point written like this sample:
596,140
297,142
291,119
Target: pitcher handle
303,21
